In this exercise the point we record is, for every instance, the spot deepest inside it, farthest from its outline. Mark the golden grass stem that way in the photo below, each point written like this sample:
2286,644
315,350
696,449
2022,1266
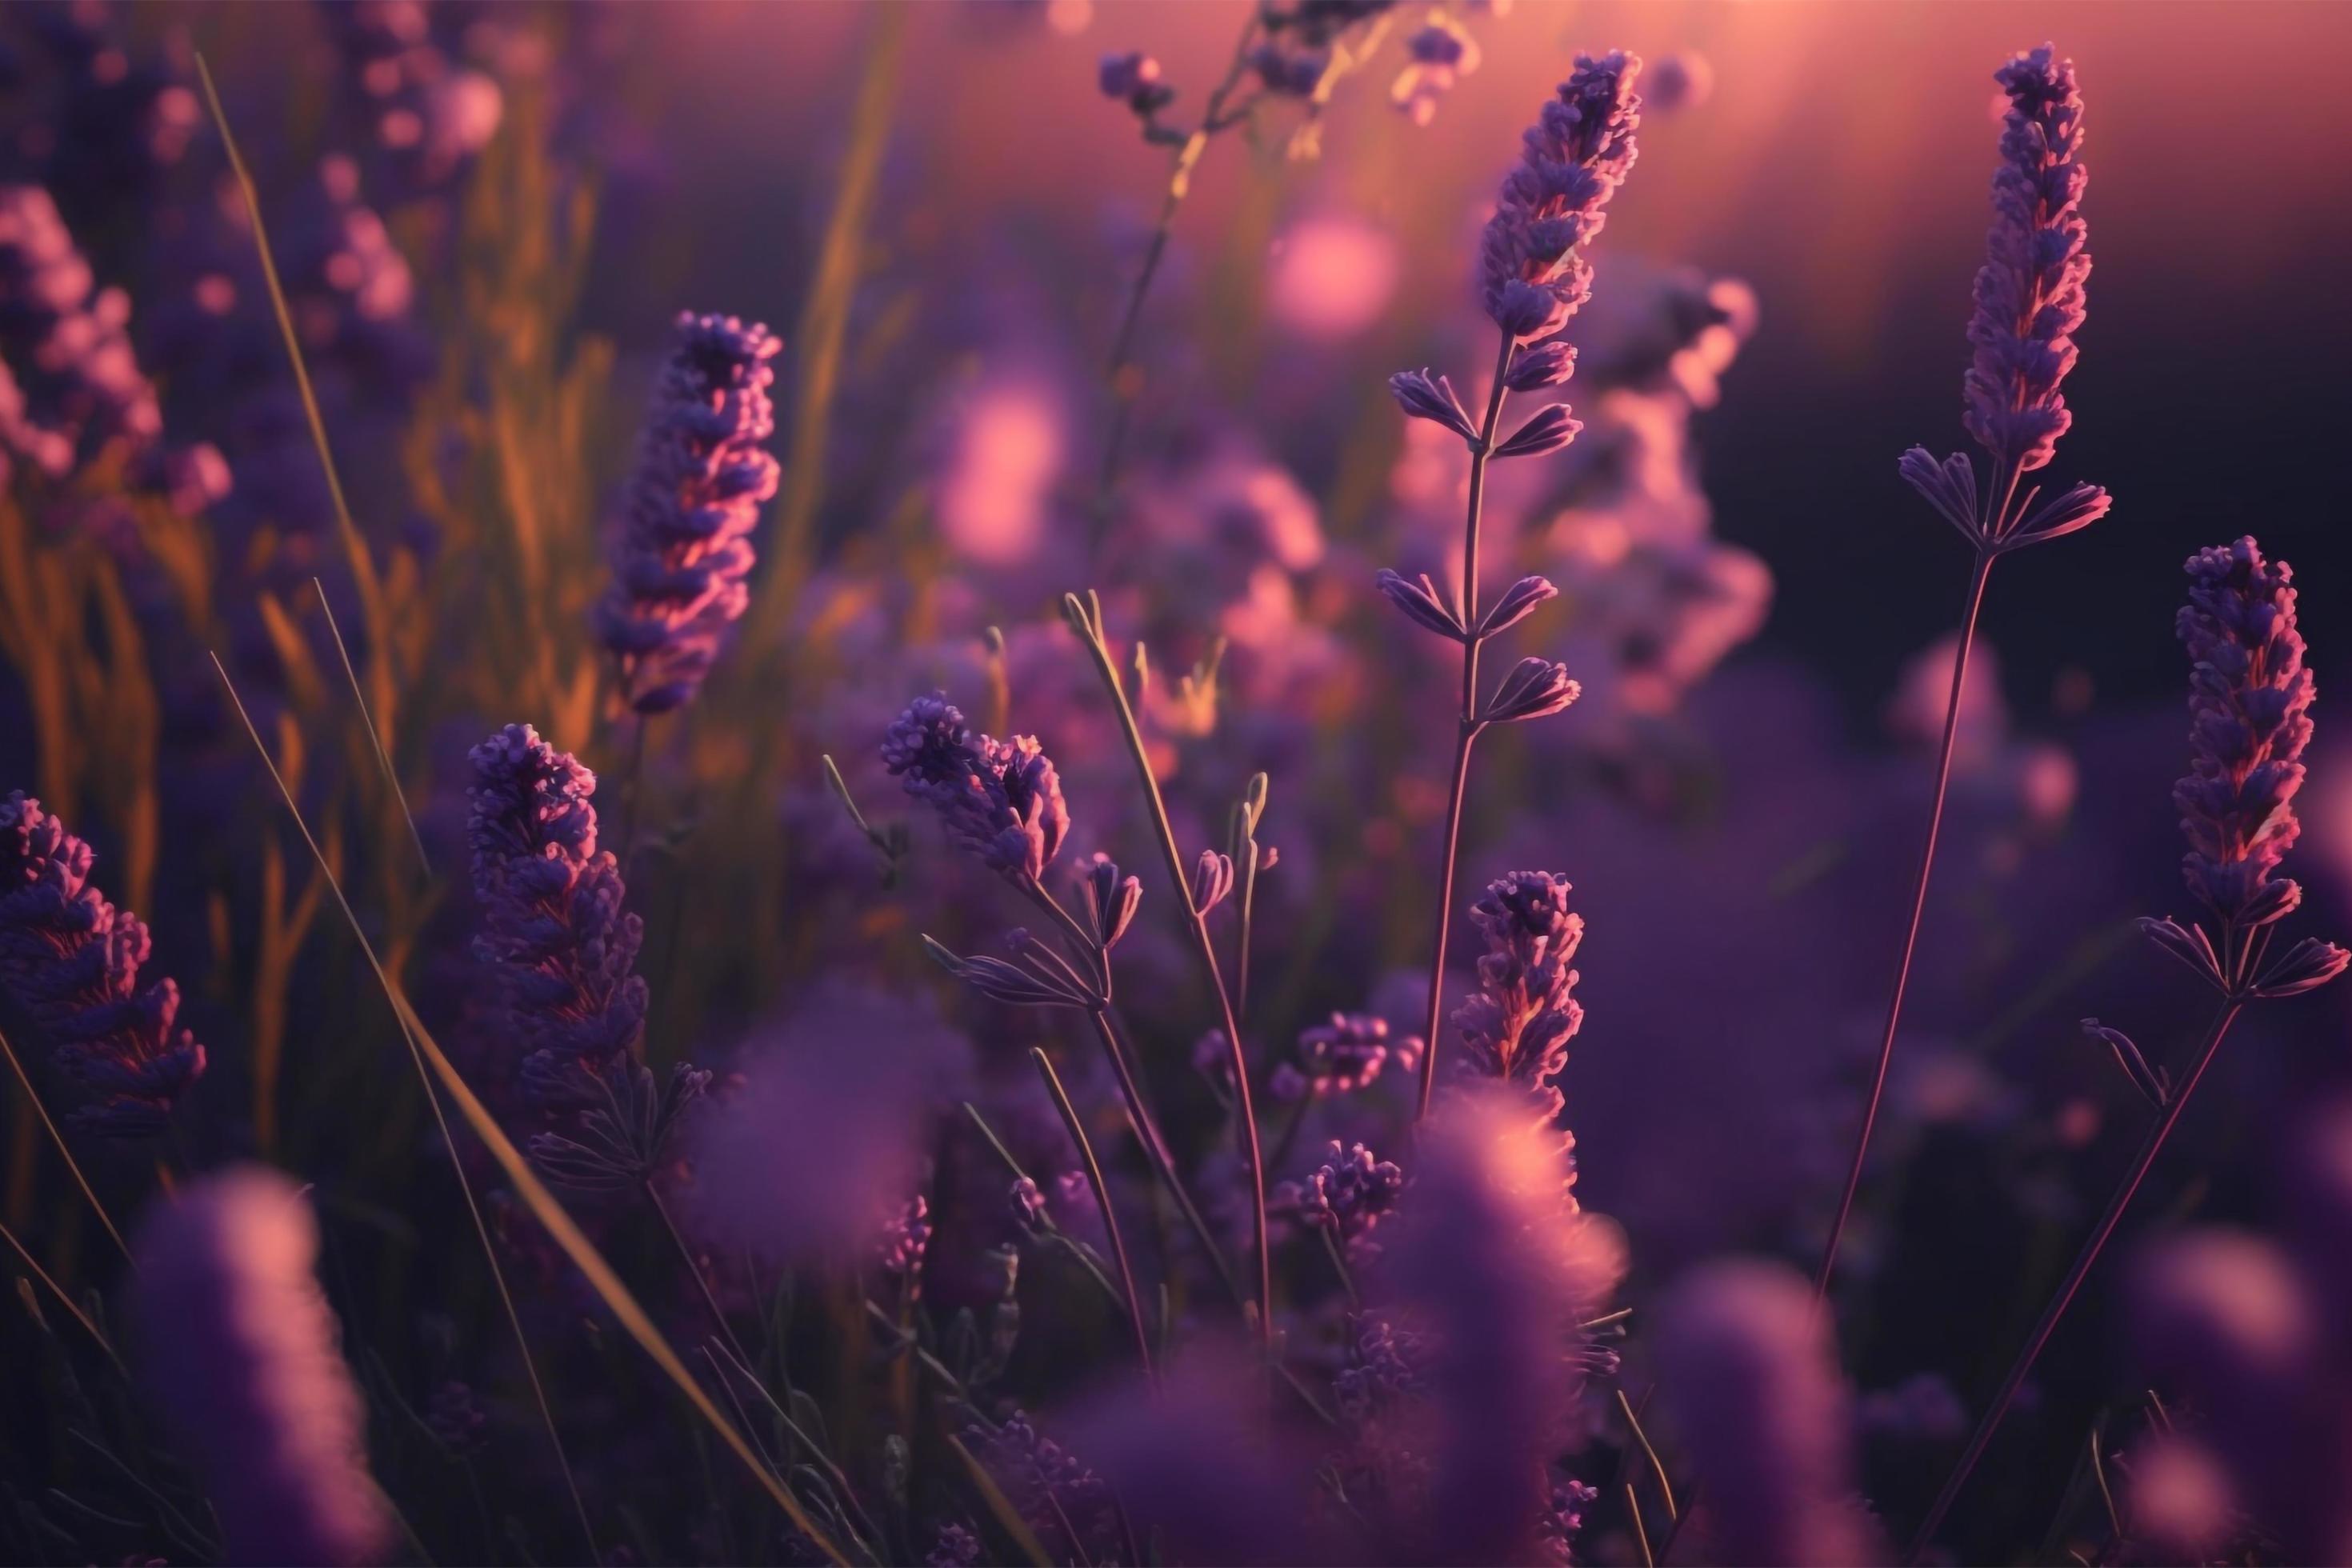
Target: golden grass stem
382,757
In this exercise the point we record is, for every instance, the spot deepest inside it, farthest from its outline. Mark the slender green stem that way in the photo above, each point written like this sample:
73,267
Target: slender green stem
1102,1198
1086,619
1155,1148
1466,732
25,1082
1970,610
2083,1262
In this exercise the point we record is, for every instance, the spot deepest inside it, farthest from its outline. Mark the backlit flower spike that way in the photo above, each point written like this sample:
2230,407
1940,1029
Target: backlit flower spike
72,960
682,550
561,950
2249,694
2030,301
1575,156
1002,800
1537,689
1516,1027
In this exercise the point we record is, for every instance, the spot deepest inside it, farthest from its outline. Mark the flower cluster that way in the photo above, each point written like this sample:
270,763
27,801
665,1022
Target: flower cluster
1066,1504
1517,1026
70,385
2249,701
1342,1056
2030,301
71,959
1349,1195
1577,154
905,1238
683,547
561,949
1440,52
1000,799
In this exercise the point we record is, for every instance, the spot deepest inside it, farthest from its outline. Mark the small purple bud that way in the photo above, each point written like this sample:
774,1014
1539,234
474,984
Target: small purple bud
1549,431
1536,366
1212,879
1537,689
1425,397
1419,603
1518,603
1111,900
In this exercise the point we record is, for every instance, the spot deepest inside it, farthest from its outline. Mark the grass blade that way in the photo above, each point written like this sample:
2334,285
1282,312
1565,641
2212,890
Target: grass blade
383,758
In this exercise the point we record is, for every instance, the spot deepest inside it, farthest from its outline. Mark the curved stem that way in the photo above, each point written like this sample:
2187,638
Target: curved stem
1088,617
1469,727
1969,616
2083,1262
1102,1199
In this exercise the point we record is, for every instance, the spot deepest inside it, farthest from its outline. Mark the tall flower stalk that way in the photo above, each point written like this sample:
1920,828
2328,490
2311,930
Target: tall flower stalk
2030,297
1533,280
2249,702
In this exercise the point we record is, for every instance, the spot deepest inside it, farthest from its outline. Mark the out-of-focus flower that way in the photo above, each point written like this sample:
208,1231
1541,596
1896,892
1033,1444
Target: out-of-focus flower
683,548
456,1417
1751,1377
818,1149
1134,77
2178,1500
1684,79
995,493
1914,714
1060,1498
562,951
1441,52
1000,799
2249,702
905,1238
241,1350
957,1547
1331,277
1345,1055
72,960
1578,153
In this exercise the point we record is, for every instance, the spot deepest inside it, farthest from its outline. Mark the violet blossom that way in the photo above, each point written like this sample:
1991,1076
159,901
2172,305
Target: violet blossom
1578,153
72,960
1000,799
1516,1027
682,548
561,949
2248,701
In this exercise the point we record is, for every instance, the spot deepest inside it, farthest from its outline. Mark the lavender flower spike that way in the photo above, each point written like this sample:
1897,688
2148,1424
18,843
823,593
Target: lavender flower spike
1577,153
71,959
241,1350
1000,799
561,949
2030,300
1517,1027
2248,701
683,546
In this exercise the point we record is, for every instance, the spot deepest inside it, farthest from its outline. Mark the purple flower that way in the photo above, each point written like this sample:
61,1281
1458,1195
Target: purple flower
1535,689
2030,291
957,1547
1065,1503
905,1238
563,951
1549,431
1111,900
71,959
1577,154
1746,1360
1292,73
1350,1193
1000,799
240,1350
1517,1026
2249,702
1349,1052
683,548
1134,77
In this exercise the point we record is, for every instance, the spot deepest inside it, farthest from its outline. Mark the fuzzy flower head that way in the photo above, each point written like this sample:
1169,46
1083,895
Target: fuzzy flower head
1000,799
561,949
1349,1195
2249,701
1577,153
1344,1055
2030,291
241,1352
683,546
72,960
1517,1026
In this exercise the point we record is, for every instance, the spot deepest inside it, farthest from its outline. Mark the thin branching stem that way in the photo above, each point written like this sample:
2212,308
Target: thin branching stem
2083,1262
1087,619
1118,372
25,1082
1657,1468
382,757
1466,732
1078,1132
1970,613
1155,1148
